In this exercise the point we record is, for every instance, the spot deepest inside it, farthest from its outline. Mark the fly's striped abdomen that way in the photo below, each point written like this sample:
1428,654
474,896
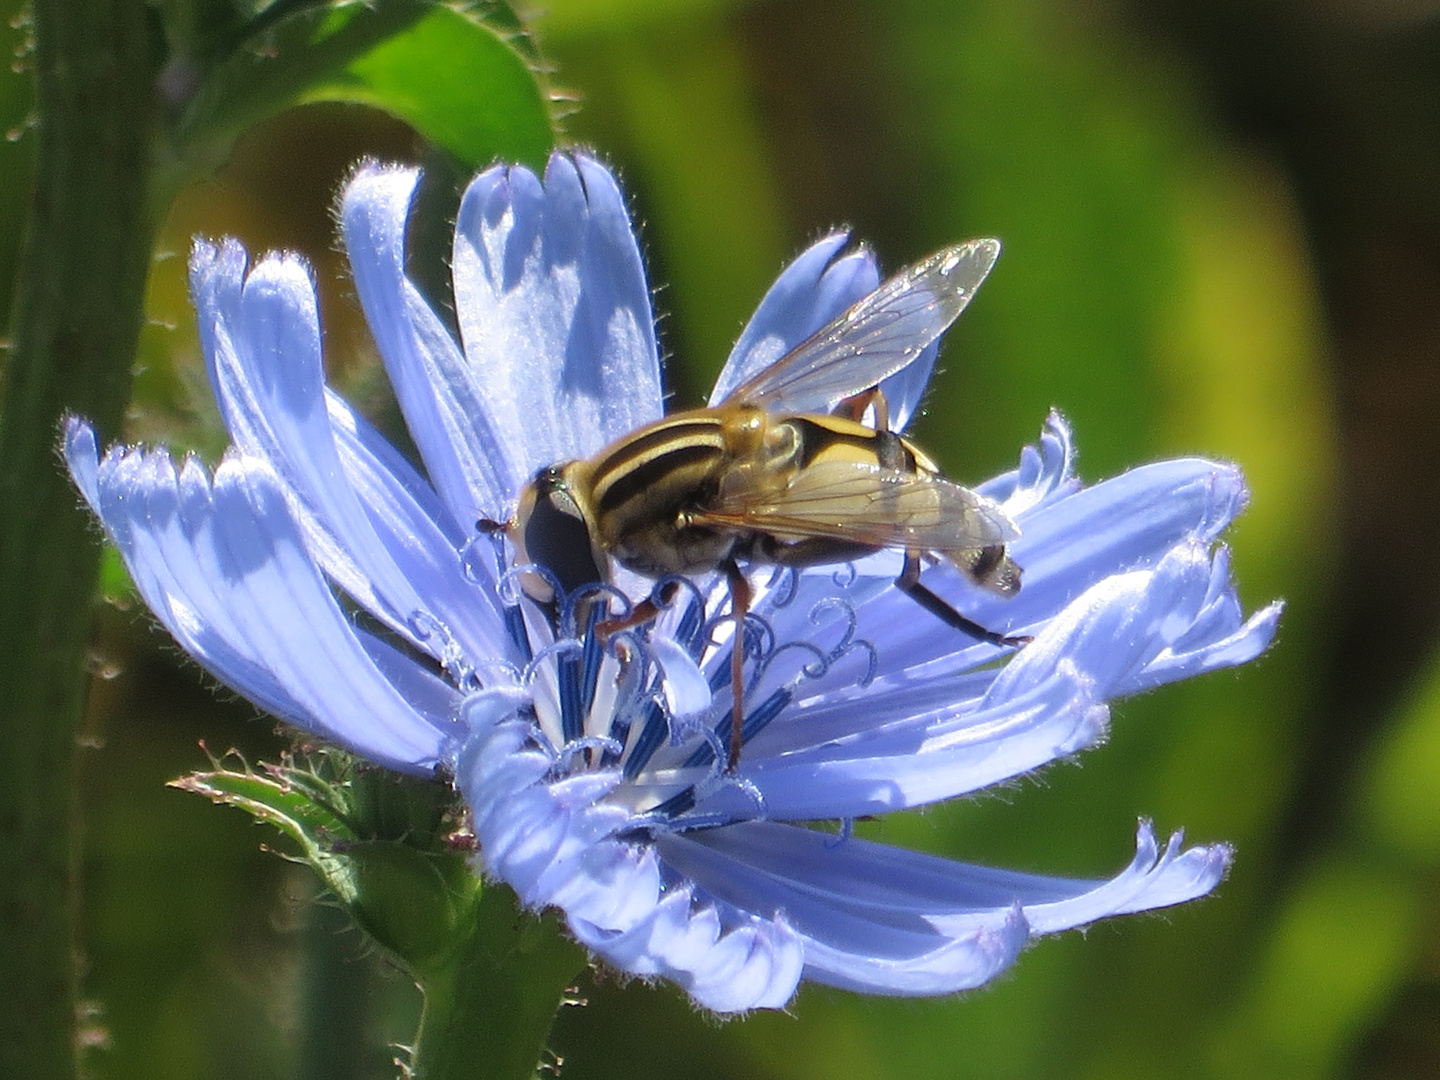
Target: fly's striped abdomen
834,438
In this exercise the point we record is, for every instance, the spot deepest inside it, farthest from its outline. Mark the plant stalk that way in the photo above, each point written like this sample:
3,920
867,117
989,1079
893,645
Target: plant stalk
490,1007
75,321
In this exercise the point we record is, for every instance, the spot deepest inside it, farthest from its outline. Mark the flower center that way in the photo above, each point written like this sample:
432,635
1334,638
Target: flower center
645,689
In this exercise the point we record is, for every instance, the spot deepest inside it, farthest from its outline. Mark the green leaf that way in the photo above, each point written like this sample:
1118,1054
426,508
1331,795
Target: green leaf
460,76
457,83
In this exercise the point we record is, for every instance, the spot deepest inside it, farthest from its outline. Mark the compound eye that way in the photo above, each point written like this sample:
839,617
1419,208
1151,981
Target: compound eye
557,538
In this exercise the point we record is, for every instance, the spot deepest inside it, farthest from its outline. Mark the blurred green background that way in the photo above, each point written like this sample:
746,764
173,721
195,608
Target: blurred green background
1222,230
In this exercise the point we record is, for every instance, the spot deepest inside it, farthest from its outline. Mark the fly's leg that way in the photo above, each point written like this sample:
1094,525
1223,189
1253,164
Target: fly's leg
642,613
909,583
739,609
890,452
853,407
740,597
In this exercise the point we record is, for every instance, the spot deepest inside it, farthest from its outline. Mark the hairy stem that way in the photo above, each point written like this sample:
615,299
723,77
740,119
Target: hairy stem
489,1009
76,318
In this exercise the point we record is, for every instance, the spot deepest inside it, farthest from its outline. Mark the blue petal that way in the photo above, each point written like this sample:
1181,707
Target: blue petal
867,914
140,511
885,920
809,292
897,766
443,400
1218,636
727,963
1046,471
554,311
459,594
1070,541
555,844
906,388
1115,629
928,733
396,555
1154,879
226,571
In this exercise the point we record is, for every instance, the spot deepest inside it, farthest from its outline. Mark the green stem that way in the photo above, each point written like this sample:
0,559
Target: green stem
76,319
489,1009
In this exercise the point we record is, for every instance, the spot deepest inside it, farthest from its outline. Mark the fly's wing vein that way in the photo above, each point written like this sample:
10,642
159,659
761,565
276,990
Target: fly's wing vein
880,334
868,504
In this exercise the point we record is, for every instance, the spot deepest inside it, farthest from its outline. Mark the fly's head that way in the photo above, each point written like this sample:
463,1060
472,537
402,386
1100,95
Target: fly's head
554,529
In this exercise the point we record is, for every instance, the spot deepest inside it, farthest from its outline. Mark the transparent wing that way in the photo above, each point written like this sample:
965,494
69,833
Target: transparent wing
863,502
877,336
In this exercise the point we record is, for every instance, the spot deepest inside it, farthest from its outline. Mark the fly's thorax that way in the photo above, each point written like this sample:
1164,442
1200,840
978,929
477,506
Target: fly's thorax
652,473
642,486
554,528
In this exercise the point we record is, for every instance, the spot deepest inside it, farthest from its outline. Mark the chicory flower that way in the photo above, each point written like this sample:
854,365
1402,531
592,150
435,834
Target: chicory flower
320,574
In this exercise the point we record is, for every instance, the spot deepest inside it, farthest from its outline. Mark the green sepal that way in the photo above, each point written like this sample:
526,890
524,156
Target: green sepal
379,842
298,803
492,974
410,901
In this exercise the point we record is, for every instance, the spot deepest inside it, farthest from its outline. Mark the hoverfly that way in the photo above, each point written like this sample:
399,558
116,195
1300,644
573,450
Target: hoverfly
782,471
